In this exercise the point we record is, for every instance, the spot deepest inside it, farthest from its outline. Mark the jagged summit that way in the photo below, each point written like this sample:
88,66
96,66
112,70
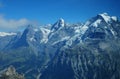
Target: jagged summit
103,14
100,27
60,23
107,17
103,19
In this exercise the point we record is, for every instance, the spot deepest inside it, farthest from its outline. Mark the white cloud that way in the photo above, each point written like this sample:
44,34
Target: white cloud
12,24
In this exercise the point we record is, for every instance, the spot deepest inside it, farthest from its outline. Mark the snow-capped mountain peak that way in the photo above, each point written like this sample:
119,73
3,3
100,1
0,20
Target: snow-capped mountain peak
114,18
106,17
59,24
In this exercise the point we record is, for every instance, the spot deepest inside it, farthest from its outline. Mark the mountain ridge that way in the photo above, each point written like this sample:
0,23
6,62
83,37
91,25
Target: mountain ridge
47,53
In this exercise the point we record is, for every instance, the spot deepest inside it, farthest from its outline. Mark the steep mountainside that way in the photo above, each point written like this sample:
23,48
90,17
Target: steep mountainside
65,51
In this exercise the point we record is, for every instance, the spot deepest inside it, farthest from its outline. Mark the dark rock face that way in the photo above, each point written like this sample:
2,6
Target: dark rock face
84,63
10,73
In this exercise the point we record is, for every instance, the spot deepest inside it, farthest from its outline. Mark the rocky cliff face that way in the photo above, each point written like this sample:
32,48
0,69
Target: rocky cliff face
10,73
83,62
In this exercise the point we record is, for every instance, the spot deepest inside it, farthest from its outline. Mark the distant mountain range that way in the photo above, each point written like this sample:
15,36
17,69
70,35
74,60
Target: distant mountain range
88,50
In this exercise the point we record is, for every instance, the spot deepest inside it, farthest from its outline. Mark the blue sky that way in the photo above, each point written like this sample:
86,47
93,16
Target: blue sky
48,11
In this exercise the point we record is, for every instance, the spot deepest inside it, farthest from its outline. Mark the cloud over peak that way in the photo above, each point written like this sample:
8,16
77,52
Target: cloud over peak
12,24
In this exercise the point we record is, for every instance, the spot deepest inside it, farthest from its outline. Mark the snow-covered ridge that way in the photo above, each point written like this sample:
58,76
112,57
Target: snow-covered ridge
58,25
95,24
45,35
114,18
2,34
62,23
108,18
63,39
